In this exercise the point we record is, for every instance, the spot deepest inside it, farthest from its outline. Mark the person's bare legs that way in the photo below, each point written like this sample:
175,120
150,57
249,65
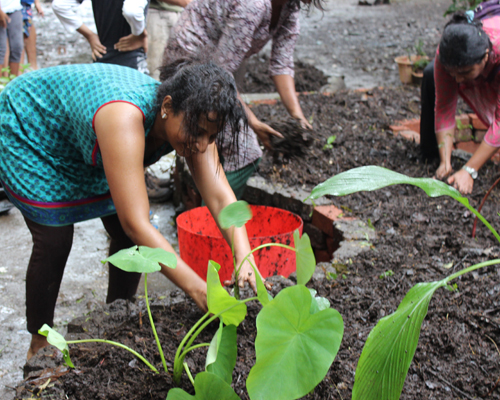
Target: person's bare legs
30,48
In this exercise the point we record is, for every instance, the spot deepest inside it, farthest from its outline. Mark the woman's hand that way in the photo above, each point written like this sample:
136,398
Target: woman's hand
264,133
443,170
462,181
247,275
304,123
4,19
39,8
132,42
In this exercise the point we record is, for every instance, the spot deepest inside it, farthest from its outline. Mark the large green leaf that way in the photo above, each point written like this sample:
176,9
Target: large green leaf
221,356
390,347
235,214
57,340
218,299
371,177
306,263
142,259
262,293
294,348
207,387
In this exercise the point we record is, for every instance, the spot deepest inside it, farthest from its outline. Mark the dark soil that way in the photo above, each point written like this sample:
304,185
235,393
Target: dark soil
257,80
417,238
295,142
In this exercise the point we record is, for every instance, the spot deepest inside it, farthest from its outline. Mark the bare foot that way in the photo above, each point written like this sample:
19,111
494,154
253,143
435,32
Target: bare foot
37,342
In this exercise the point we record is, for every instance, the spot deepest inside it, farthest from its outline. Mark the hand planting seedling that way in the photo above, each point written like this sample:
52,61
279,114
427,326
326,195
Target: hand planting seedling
391,345
136,259
298,334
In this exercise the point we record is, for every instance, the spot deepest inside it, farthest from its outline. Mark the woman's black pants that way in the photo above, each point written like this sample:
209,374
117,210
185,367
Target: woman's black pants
428,142
51,247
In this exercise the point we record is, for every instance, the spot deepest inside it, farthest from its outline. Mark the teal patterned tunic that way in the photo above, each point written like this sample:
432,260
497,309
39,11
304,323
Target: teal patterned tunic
50,163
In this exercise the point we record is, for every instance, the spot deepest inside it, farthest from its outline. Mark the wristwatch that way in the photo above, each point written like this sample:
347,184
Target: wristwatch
471,171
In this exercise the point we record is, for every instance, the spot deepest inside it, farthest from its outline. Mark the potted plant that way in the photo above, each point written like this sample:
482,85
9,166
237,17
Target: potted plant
409,62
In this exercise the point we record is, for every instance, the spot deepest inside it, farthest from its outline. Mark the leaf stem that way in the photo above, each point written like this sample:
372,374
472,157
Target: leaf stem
135,353
188,372
153,324
472,268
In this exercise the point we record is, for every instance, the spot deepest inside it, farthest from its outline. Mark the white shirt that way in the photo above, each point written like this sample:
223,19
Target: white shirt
133,12
9,6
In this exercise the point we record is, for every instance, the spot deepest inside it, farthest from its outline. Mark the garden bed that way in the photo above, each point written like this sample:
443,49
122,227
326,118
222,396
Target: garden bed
419,239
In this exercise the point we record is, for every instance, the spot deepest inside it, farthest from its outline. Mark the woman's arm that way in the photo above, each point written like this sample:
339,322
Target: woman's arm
445,111
134,12
285,85
462,180
71,21
120,134
217,194
445,147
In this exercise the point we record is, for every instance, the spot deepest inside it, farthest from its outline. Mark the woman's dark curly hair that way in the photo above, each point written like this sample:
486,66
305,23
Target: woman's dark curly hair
199,88
463,43
297,4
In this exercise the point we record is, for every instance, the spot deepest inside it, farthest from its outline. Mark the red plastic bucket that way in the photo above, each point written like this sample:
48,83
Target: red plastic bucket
200,240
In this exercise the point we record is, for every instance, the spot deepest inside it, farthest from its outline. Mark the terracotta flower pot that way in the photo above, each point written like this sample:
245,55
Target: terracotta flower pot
405,65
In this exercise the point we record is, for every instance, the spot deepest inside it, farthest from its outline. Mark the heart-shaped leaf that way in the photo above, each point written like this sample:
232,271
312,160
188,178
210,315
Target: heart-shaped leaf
235,214
207,387
391,345
306,263
221,356
294,348
218,299
142,259
319,303
57,340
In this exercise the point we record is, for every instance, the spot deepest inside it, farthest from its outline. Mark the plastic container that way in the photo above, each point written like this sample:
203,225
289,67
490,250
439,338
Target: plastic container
200,240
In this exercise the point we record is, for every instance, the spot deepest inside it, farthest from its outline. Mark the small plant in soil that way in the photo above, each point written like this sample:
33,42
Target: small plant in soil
298,334
140,259
391,345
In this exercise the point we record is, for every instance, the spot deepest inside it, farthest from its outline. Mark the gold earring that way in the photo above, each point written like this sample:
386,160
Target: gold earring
164,116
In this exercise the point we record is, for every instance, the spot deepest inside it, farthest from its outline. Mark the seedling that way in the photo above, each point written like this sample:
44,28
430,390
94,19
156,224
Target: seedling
391,345
329,142
298,334
136,259
386,274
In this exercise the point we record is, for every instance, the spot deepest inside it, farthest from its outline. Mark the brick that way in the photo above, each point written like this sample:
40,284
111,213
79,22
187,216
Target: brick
412,136
322,256
406,125
469,147
463,135
413,125
396,129
479,135
332,244
477,123
324,217
317,237
464,119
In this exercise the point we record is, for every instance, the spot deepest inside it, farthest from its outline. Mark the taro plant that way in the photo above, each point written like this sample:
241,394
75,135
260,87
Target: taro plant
298,334
391,345
140,259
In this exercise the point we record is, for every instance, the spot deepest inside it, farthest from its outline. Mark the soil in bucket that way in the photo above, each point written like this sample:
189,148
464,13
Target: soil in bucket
200,240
